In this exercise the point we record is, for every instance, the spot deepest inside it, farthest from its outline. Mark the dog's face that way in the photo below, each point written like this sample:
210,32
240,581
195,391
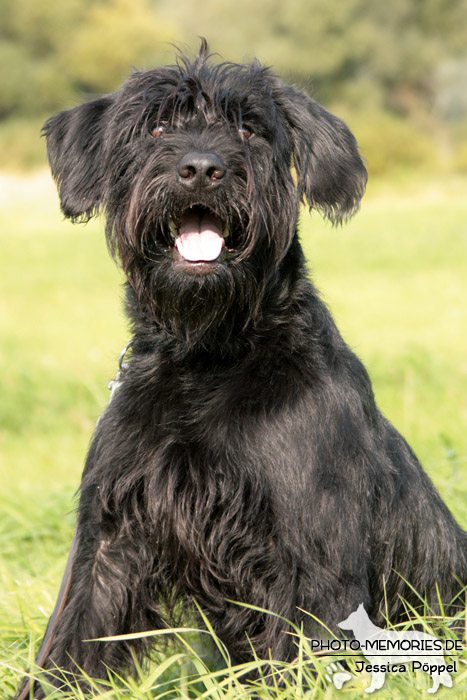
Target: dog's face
192,165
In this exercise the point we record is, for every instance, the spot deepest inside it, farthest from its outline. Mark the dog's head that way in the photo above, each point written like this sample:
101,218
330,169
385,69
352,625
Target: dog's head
356,620
192,165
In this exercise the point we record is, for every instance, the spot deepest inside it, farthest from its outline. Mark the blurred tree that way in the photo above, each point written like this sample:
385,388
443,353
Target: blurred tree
31,36
388,50
405,56
114,36
50,49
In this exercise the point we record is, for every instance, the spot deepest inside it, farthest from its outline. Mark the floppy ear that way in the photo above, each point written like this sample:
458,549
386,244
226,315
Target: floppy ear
75,144
330,171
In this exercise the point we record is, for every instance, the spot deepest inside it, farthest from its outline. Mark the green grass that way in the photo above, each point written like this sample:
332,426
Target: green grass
395,280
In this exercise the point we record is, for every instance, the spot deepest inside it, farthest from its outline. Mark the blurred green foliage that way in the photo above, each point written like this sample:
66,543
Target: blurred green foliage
391,143
385,44
398,68
52,51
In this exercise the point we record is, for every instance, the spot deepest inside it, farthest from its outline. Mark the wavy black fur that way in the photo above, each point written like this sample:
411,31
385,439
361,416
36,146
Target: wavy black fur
244,457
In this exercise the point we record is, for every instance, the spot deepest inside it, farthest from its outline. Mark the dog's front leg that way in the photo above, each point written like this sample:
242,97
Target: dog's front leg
105,593
377,681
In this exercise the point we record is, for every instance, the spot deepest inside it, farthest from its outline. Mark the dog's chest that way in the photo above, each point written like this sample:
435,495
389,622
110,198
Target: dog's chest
209,511
207,497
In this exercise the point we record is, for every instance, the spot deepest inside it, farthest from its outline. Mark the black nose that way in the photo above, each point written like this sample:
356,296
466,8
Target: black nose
197,170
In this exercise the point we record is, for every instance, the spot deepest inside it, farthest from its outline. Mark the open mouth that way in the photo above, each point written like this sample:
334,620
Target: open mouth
200,235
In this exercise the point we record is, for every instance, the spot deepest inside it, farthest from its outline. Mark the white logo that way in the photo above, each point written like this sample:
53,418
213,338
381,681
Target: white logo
389,651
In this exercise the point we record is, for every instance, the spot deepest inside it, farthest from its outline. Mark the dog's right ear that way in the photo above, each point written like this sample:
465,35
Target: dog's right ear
75,145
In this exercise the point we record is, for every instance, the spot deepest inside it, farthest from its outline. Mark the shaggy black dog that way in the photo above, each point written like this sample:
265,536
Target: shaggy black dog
243,457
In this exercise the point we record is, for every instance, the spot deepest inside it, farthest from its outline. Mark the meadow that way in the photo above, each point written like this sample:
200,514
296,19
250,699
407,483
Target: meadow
395,279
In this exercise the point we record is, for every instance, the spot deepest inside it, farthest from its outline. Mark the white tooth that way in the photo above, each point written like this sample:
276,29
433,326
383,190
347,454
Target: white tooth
172,229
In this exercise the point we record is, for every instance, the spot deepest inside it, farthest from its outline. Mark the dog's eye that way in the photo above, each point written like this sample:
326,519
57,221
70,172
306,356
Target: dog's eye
158,131
245,132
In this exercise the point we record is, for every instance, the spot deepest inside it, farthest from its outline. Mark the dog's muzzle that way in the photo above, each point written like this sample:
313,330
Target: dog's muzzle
199,234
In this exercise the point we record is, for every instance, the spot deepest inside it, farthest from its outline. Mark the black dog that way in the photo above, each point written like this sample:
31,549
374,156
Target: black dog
243,457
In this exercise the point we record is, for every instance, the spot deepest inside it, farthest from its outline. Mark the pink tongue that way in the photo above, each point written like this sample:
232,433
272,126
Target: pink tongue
200,238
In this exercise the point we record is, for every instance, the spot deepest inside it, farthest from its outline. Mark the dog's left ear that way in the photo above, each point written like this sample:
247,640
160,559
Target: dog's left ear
75,148
330,171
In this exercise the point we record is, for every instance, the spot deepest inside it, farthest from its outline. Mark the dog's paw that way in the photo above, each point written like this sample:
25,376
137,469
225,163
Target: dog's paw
337,675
